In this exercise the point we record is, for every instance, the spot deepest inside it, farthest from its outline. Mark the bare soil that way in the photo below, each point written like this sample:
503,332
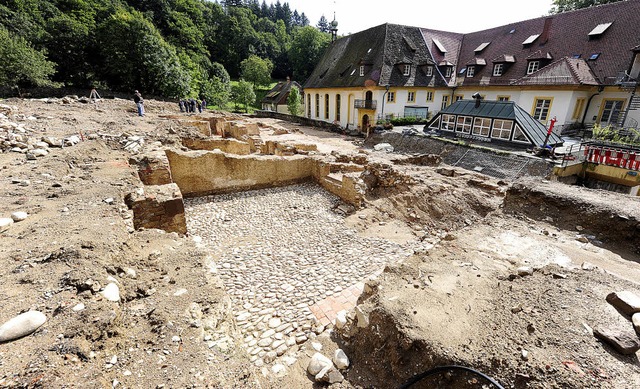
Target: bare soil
457,302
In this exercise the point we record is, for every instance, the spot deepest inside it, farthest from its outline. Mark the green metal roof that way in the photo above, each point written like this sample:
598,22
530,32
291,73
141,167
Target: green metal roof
508,110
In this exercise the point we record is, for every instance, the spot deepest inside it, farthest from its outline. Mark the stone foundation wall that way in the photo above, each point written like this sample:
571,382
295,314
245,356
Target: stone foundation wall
239,129
203,126
153,168
158,206
231,146
199,173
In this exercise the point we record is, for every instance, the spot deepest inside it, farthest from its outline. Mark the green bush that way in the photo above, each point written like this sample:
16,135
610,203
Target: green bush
610,134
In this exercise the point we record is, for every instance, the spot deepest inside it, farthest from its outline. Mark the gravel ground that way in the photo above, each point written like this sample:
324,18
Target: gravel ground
279,251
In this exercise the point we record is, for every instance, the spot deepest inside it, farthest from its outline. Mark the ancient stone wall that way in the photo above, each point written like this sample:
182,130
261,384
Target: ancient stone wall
200,173
231,146
158,206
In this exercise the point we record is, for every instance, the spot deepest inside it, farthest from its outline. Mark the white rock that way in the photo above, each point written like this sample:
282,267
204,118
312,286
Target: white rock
180,292
111,292
316,346
329,374
340,359
289,360
363,318
275,322
524,271
383,147
279,370
78,307
317,363
21,325
39,152
114,360
5,222
175,339
341,319
635,319
131,273
19,216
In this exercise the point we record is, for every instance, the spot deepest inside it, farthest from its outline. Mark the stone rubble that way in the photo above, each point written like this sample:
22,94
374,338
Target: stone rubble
279,251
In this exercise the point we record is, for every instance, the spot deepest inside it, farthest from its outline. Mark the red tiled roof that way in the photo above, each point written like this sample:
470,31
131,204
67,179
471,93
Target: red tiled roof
566,35
566,71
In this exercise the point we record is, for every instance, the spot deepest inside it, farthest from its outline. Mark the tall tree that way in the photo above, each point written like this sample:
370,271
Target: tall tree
135,56
560,6
293,101
243,93
307,47
323,24
256,70
21,63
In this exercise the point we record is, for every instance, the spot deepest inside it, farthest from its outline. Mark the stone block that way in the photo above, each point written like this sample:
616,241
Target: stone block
239,129
627,302
153,169
160,207
624,343
203,126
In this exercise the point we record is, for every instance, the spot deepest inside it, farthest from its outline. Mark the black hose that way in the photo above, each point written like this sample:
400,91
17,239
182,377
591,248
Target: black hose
439,369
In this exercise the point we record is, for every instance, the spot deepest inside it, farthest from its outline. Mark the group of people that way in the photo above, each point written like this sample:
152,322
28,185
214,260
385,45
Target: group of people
190,105
186,105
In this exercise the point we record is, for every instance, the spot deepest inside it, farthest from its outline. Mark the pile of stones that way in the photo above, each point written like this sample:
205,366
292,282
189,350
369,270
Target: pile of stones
16,137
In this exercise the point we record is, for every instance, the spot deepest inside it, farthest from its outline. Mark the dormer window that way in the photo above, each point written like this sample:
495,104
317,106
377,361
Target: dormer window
530,39
498,69
599,30
533,67
481,47
361,70
429,71
406,70
471,71
439,46
447,71
594,56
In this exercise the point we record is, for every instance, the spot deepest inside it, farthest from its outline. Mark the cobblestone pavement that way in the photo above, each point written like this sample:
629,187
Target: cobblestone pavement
287,260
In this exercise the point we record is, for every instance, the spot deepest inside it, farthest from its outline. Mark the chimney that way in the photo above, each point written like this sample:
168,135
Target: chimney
544,37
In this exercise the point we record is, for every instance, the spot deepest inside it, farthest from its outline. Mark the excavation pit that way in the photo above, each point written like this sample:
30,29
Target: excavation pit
288,261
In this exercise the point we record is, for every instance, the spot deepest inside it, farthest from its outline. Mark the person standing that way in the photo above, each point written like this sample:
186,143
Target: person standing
199,105
192,104
137,98
181,105
204,104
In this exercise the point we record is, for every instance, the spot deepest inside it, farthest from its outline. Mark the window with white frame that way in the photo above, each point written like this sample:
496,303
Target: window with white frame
338,101
518,135
445,102
463,124
429,95
533,67
481,126
317,105
406,70
503,98
391,97
501,129
411,97
447,71
361,70
429,71
541,109
498,69
448,122
471,71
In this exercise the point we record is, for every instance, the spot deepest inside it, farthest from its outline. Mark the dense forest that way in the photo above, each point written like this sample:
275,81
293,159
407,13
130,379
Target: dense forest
167,48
